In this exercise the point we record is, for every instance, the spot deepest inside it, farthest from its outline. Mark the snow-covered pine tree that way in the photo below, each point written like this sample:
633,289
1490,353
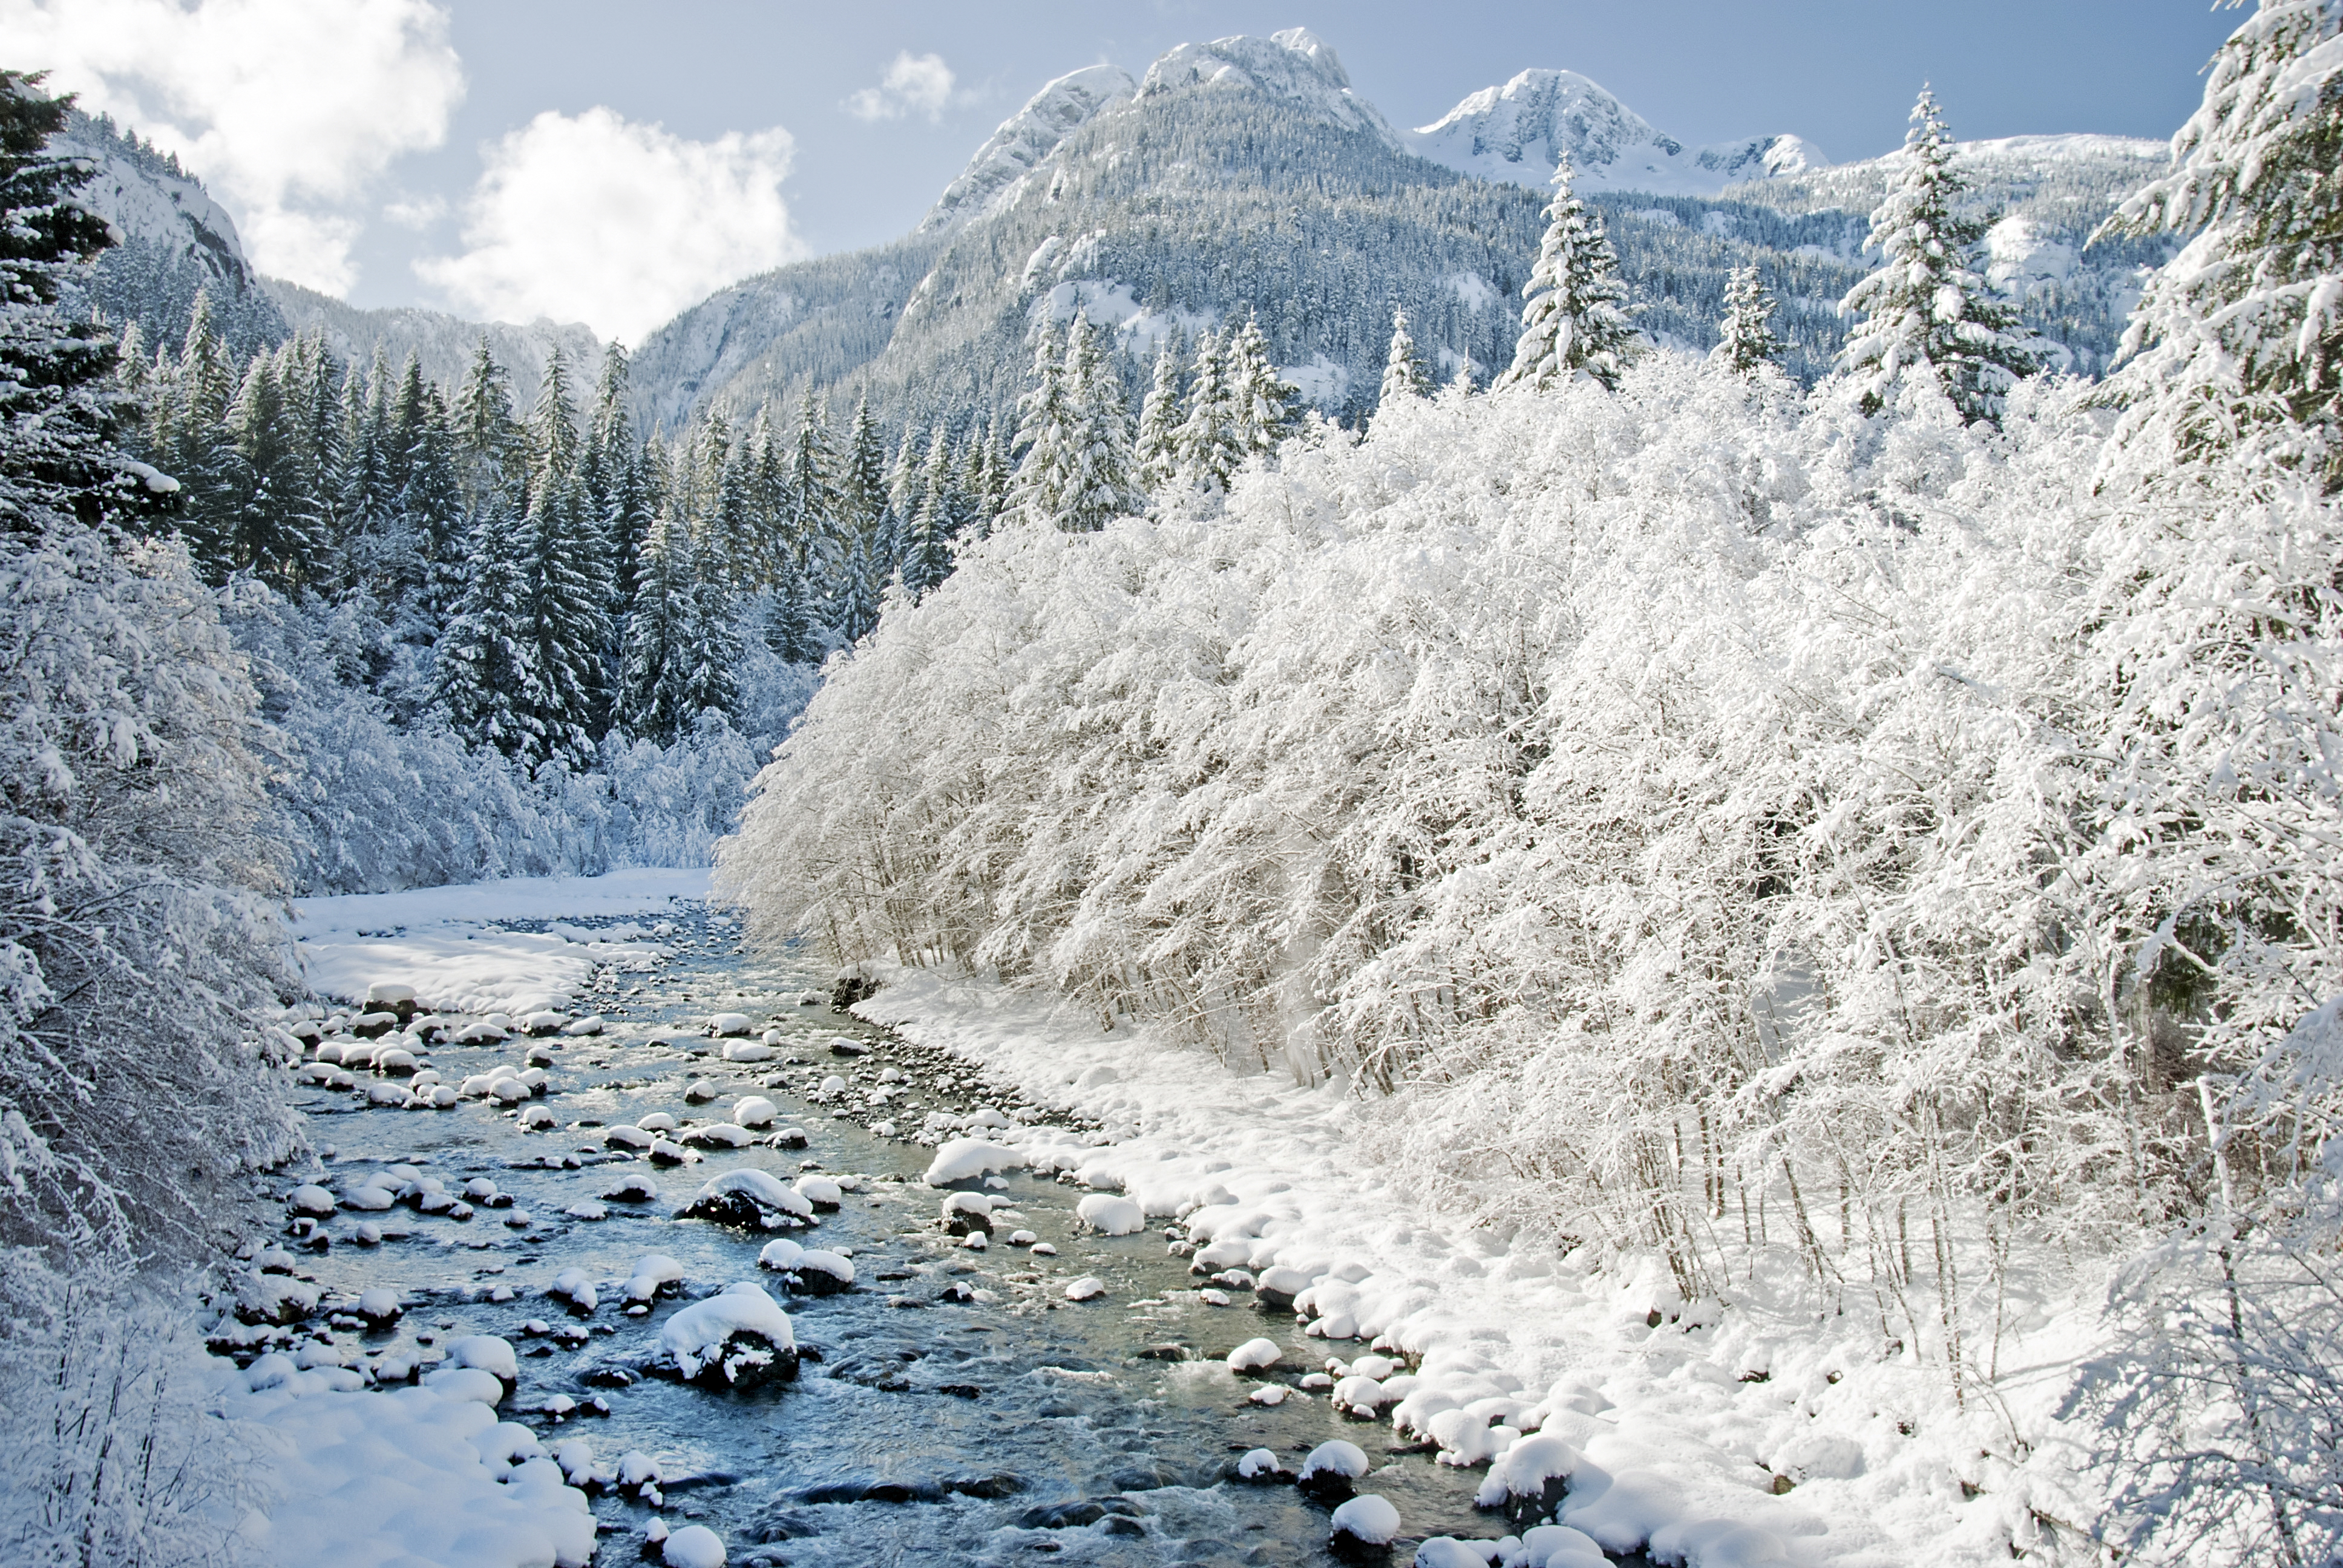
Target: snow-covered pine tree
906,476
1044,435
927,555
567,622
312,380
2245,327
1575,321
606,476
277,531
490,445
200,450
481,676
1746,339
659,632
868,511
1926,310
432,498
1403,372
1156,455
1098,483
812,529
1267,410
1210,446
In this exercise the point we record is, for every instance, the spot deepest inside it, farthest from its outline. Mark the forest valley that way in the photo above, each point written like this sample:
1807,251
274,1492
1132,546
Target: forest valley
1870,848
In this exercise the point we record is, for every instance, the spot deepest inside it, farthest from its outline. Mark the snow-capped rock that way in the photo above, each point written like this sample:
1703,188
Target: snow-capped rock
1295,66
1516,133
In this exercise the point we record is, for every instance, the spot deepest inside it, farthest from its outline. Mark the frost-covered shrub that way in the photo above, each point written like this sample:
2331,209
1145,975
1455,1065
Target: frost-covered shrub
115,1454
1742,825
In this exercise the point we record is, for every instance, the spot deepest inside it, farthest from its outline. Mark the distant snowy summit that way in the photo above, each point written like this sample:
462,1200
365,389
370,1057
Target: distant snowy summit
1518,132
997,174
1294,67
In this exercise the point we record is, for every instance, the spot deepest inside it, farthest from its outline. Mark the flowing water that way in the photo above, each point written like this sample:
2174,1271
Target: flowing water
952,1408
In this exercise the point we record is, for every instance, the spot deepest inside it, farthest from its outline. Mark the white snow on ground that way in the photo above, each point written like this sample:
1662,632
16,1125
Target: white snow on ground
433,937
1719,1436
413,1478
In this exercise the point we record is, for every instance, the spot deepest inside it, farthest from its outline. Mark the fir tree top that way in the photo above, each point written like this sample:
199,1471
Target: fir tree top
1926,310
1576,323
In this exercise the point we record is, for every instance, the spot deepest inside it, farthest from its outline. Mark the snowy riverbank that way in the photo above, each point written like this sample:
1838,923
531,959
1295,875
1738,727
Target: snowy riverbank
443,941
1728,1435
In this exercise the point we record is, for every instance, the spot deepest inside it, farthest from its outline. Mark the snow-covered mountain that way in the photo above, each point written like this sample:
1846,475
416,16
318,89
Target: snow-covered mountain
998,172
1248,174
173,241
1241,175
1294,69
1517,133
443,344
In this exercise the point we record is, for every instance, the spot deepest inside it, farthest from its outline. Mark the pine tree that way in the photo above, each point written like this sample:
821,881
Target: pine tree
1745,340
944,513
868,513
566,623
1266,409
1044,429
2245,326
1211,446
906,476
276,530
1157,452
1926,310
1098,485
491,446
481,677
1575,323
1403,372
651,705
432,499
202,451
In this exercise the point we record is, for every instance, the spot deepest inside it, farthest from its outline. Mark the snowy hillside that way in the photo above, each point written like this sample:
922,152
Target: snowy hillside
444,343
1518,132
175,241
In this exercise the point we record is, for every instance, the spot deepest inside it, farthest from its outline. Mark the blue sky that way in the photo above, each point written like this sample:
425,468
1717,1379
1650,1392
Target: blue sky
587,158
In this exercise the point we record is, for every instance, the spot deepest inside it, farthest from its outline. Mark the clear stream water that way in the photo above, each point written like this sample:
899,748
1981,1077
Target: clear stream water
1011,1427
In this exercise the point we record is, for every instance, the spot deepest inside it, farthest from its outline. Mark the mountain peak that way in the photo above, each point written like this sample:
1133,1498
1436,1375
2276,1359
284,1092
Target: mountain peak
1518,132
1026,139
1296,64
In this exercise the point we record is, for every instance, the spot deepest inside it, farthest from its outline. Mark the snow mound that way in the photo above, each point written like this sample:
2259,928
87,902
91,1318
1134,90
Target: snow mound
1254,1355
1369,1520
1111,1216
752,1198
432,1472
739,1338
966,1159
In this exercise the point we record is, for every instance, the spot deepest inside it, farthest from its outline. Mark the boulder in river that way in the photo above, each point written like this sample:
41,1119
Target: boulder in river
737,1339
750,1199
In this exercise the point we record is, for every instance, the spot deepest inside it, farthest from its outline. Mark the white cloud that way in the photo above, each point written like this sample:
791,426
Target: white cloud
913,85
288,108
418,212
598,219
